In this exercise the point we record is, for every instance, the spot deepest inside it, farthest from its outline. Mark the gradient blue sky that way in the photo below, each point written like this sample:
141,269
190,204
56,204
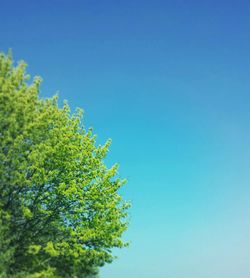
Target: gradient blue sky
169,82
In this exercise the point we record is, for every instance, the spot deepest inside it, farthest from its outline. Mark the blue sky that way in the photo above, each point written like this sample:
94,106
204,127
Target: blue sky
169,82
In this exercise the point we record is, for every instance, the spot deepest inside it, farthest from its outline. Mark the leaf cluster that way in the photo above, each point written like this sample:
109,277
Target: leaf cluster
60,210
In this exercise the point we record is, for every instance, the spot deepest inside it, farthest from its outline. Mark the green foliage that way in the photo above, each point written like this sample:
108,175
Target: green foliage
60,211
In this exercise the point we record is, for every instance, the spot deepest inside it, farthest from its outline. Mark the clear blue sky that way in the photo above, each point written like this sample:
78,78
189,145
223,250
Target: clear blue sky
169,82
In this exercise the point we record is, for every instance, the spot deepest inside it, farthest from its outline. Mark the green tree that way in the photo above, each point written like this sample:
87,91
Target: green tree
60,210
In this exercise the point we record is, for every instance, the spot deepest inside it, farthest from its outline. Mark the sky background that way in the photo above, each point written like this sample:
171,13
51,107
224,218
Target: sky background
169,82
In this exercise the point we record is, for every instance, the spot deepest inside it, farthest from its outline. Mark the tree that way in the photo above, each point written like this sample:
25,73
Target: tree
60,210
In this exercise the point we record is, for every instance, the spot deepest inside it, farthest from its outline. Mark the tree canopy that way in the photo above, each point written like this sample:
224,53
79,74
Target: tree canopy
60,210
